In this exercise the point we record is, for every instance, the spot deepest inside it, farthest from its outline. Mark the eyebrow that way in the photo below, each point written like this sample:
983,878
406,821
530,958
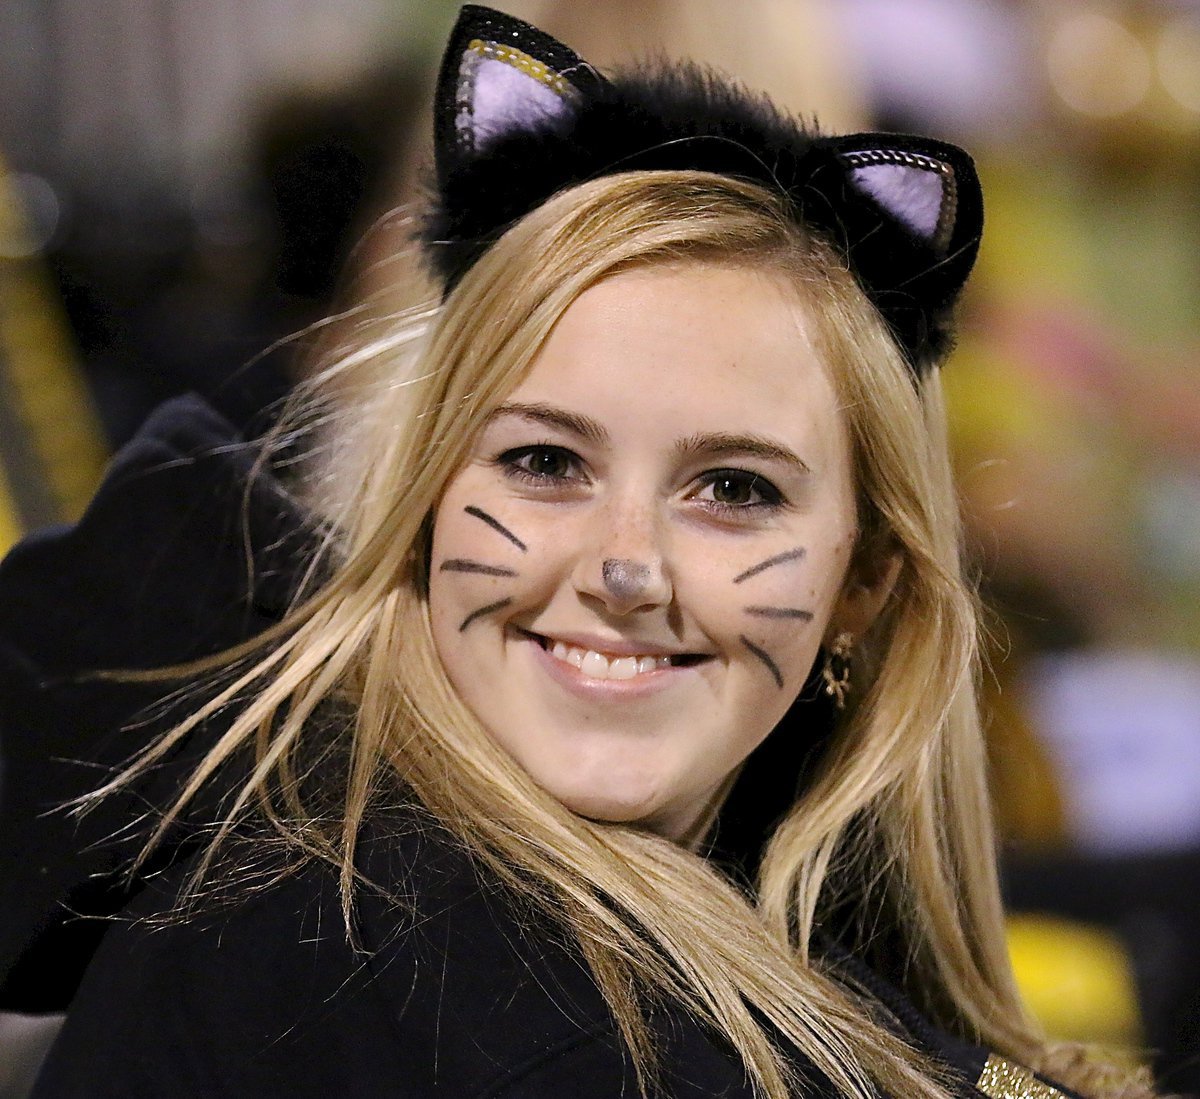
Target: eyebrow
721,444
709,444
572,422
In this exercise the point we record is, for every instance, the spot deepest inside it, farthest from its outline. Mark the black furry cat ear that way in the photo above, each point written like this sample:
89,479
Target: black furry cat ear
908,213
520,117
499,77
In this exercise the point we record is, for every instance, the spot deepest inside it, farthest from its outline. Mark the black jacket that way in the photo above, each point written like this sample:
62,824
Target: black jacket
453,987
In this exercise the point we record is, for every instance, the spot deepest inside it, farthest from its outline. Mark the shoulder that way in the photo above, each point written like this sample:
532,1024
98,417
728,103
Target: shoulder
453,987
218,1003
978,1070
496,992
185,550
167,563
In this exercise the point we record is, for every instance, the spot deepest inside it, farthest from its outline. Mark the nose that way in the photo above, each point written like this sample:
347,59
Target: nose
627,570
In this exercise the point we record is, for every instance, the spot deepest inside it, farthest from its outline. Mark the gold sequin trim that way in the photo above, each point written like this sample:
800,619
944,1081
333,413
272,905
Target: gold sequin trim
949,209
1002,1079
522,62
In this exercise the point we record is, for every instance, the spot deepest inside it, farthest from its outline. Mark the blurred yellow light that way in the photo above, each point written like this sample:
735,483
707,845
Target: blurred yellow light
1076,978
29,212
10,526
1097,66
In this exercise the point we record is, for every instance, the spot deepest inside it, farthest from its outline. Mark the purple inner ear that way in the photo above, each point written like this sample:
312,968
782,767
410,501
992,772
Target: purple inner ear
914,196
503,99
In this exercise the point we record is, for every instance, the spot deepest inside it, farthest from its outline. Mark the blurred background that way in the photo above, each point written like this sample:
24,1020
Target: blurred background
184,183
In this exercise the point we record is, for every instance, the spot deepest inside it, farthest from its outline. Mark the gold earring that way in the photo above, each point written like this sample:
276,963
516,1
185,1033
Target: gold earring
836,672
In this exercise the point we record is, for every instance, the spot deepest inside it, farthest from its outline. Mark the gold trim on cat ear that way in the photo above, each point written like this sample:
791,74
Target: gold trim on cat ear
920,191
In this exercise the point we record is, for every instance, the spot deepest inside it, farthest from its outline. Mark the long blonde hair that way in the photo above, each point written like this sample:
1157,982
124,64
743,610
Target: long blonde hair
893,828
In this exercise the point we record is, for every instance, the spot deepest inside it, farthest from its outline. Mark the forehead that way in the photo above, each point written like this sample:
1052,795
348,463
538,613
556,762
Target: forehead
691,347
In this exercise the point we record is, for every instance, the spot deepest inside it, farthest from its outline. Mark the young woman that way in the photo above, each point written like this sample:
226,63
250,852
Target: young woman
620,736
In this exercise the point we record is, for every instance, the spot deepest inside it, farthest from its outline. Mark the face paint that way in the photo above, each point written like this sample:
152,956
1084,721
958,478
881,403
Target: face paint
796,554
461,564
500,604
625,579
793,613
496,525
682,554
780,612
762,655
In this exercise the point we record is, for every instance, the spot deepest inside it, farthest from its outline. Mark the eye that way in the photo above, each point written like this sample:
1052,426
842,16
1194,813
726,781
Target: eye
541,464
737,490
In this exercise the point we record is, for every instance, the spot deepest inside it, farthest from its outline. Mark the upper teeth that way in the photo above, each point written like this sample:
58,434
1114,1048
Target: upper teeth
598,666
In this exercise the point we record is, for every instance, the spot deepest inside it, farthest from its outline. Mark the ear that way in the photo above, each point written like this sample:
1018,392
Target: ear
864,595
499,76
928,187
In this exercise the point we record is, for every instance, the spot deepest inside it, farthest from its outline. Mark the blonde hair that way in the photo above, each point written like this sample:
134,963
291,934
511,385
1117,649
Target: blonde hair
894,827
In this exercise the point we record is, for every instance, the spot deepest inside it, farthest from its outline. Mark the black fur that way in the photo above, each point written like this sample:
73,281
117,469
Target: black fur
685,117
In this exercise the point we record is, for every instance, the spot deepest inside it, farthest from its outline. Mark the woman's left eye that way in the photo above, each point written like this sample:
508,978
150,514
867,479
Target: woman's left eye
737,490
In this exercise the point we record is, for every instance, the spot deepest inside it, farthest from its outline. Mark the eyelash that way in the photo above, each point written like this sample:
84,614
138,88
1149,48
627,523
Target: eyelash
770,498
510,462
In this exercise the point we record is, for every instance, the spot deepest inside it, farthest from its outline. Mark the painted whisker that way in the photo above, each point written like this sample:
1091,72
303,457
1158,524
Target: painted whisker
497,526
498,605
780,612
462,564
765,657
779,559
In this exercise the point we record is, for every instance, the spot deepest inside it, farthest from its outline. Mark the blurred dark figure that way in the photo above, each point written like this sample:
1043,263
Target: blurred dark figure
164,301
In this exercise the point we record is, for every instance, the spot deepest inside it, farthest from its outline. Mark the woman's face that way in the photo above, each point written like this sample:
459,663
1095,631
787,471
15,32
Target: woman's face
633,572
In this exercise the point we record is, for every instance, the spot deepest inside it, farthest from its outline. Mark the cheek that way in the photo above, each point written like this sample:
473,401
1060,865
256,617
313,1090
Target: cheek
487,560
777,610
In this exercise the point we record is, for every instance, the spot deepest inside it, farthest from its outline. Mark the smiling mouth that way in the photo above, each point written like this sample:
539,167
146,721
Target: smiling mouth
598,665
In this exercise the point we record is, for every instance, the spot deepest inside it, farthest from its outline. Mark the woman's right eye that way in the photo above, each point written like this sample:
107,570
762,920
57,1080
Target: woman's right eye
542,464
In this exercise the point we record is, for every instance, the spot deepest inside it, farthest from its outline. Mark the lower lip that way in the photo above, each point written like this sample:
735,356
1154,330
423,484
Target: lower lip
641,685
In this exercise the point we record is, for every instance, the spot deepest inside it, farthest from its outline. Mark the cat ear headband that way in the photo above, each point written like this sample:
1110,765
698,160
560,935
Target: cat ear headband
519,117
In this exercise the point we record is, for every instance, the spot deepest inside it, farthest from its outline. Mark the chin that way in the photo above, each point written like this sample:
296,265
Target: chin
610,806
650,814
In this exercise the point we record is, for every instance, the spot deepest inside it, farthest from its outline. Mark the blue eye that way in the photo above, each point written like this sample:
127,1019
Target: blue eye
541,464
737,490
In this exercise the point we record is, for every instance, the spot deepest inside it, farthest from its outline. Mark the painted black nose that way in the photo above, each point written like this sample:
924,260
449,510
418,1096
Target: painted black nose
625,578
